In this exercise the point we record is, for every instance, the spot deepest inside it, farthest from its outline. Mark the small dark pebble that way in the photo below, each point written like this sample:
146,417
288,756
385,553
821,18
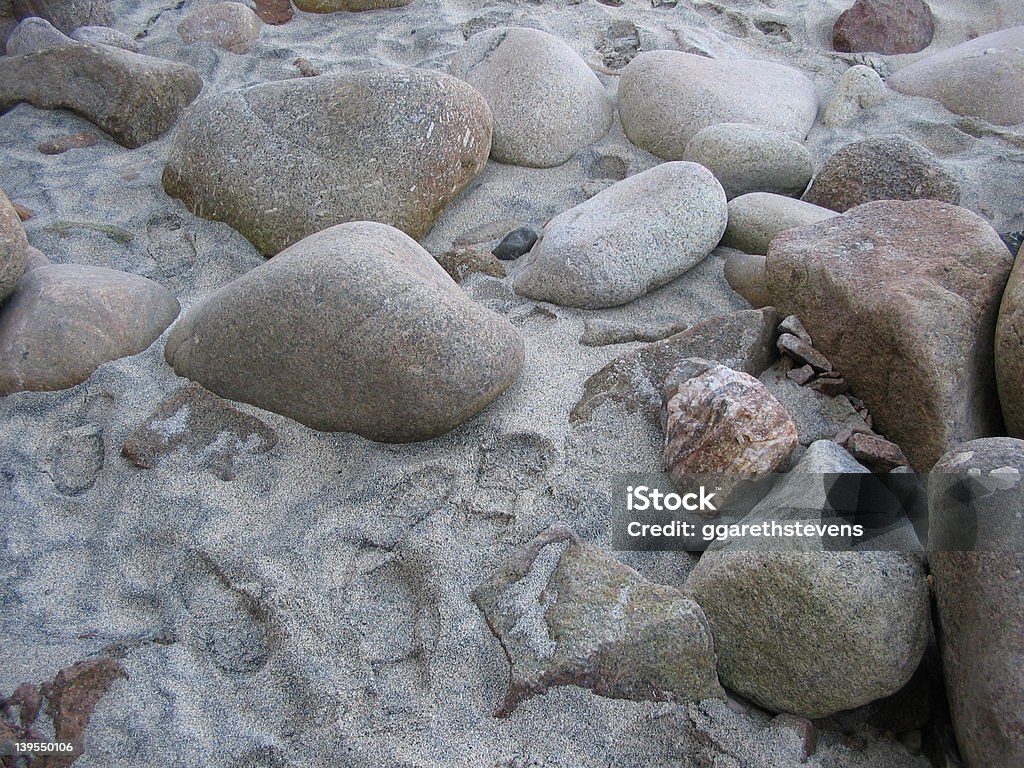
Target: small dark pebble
1013,241
516,243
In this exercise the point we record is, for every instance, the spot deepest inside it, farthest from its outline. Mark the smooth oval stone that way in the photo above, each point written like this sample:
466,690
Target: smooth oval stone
13,248
231,26
755,219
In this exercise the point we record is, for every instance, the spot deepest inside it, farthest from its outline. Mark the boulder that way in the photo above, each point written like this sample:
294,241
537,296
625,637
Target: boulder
105,36
723,422
13,245
228,25
64,321
976,545
755,219
745,274
634,236
354,329
283,160
35,34
1009,351
567,613
805,630
666,97
973,78
881,168
65,15
134,98
749,158
743,341
884,26
547,103
332,6
859,88
902,297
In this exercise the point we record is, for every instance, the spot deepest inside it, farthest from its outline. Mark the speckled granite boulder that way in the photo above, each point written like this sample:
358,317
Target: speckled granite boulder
13,245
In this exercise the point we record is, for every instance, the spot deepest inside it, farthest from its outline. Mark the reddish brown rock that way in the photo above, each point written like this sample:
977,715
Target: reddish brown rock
460,263
801,375
75,141
875,452
830,385
721,421
274,11
802,352
884,26
902,297
803,728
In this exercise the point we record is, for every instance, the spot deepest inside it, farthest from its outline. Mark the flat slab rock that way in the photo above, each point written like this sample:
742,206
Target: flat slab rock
566,613
207,429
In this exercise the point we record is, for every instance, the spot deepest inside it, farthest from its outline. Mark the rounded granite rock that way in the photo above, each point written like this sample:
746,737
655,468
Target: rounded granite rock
1009,351
283,160
756,218
353,329
228,25
628,239
13,246
105,36
35,34
547,103
749,158
666,97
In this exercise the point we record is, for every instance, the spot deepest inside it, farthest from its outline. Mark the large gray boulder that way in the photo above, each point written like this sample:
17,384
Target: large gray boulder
35,34
228,25
13,245
1009,351
666,97
974,78
902,297
64,321
567,613
353,329
755,219
65,15
547,103
283,160
802,629
975,497
134,98
628,239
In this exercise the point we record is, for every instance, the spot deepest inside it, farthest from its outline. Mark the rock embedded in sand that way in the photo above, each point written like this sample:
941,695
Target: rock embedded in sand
567,613
354,329
283,160
803,630
228,25
903,297
65,15
743,341
64,321
547,103
105,36
859,88
881,168
35,34
723,422
13,246
65,143
974,78
745,274
666,97
332,6
884,26
134,98
1009,351
516,243
749,158
976,544
633,237
755,219
461,262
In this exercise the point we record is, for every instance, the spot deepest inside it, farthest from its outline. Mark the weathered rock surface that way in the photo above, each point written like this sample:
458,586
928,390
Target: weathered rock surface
755,219
902,297
65,15
547,103
105,36
745,274
304,335
35,34
972,78
13,245
206,429
332,6
228,25
462,262
884,26
749,158
634,236
723,422
283,160
875,452
1009,351
803,630
975,497
134,98
881,168
598,332
66,320
566,613
743,341
666,97
859,88
816,416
